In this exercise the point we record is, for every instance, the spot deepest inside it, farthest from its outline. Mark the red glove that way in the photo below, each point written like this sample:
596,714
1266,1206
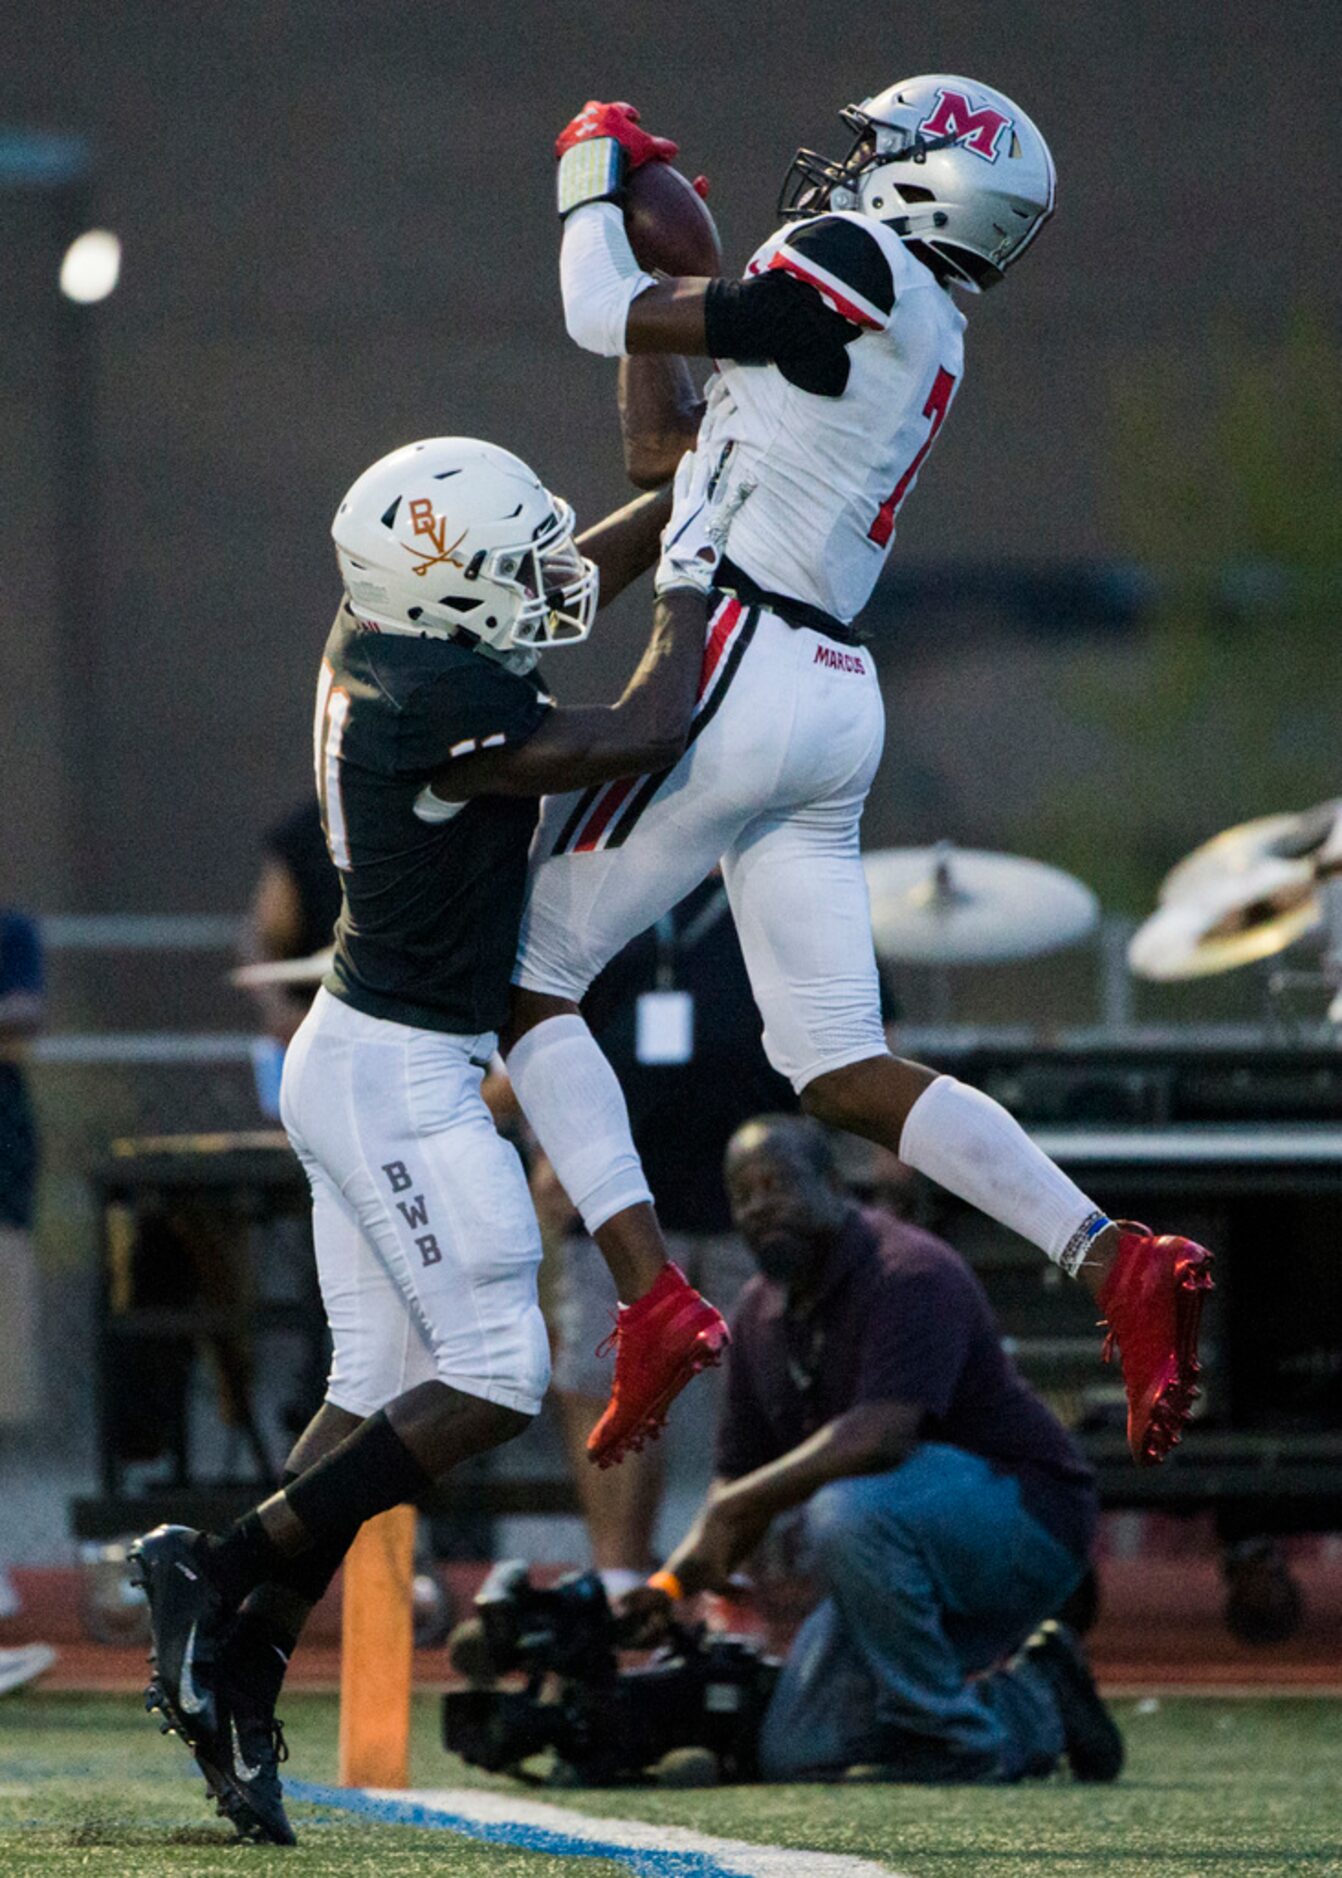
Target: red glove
619,121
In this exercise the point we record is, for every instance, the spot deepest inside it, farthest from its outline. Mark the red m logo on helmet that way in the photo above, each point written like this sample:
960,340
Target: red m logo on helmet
954,116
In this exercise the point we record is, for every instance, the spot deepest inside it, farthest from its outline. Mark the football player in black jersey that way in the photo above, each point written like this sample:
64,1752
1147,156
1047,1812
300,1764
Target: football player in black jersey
434,737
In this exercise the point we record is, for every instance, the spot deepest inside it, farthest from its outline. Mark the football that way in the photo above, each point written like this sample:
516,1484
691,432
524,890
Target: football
670,228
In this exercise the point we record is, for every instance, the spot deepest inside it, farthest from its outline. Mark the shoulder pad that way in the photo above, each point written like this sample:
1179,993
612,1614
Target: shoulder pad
845,259
466,705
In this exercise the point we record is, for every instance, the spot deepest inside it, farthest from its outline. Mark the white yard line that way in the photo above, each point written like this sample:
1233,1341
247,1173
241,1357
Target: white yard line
647,1850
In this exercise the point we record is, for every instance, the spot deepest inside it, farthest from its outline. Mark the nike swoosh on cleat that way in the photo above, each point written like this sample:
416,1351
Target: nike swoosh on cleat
240,1767
188,1698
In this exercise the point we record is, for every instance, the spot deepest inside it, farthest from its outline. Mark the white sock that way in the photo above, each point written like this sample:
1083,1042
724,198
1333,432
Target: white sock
570,1095
967,1143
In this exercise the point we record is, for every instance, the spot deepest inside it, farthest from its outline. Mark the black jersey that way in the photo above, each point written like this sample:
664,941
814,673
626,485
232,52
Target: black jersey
432,889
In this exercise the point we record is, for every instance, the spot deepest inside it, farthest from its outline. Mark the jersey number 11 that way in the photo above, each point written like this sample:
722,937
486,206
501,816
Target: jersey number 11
328,734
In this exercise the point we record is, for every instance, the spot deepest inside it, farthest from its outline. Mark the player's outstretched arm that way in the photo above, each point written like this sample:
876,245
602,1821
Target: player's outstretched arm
660,412
648,728
800,313
644,732
625,544
660,406
775,318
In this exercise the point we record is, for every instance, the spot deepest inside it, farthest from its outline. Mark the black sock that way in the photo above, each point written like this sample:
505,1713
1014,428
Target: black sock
308,1573
369,1472
256,1655
245,1557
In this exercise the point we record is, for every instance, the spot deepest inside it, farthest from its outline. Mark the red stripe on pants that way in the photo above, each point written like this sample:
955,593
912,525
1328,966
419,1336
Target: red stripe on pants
599,820
613,799
717,642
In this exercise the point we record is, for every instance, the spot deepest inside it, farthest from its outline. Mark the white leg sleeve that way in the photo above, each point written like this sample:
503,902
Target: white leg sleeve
570,1095
968,1144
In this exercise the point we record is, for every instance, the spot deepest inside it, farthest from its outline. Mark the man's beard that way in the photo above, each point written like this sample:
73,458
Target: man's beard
783,1260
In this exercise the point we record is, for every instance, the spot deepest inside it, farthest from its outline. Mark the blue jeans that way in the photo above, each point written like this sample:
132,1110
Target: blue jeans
932,1572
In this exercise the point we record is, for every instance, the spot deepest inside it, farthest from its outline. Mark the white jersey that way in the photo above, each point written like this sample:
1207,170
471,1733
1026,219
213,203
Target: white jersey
830,473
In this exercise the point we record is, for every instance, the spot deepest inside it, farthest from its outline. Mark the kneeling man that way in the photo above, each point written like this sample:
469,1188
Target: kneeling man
947,1512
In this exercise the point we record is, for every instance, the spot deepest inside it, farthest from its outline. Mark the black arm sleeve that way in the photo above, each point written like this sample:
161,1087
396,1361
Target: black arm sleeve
776,319
828,282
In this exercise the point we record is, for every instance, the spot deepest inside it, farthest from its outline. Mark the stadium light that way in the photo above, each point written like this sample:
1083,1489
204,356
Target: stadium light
91,267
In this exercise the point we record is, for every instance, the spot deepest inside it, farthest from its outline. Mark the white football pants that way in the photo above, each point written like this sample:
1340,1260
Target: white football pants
787,735
427,1244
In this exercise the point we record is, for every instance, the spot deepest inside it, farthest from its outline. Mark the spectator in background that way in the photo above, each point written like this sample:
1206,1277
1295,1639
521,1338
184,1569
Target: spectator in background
874,1177
947,1511
22,1008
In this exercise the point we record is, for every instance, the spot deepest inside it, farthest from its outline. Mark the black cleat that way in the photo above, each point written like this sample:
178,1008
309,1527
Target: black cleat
187,1616
241,1763
241,1760
1090,1734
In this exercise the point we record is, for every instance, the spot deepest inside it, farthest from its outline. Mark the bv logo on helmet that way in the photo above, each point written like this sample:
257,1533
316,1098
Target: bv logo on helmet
954,116
435,527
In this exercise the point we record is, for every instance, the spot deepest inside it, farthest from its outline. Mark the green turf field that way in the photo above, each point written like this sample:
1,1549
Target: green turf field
1214,1788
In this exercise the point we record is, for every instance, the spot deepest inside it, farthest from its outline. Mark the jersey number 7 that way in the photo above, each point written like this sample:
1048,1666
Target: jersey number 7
938,403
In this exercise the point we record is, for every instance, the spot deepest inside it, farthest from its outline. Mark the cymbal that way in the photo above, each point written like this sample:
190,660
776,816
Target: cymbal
307,971
963,906
1237,851
1235,920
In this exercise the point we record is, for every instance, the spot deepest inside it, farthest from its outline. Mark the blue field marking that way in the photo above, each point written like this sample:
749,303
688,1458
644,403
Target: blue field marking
643,1862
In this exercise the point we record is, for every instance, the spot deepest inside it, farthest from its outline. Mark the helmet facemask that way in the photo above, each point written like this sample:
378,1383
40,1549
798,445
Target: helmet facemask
815,183
811,179
555,587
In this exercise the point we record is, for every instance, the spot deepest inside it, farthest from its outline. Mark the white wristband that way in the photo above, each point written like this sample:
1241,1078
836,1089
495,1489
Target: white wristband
600,278
589,172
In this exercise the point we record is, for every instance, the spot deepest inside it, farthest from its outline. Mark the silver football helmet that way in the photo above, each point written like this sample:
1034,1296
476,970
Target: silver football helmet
955,168
458,538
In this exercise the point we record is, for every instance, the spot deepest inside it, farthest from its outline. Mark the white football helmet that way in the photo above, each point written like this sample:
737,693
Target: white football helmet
955,168
458,538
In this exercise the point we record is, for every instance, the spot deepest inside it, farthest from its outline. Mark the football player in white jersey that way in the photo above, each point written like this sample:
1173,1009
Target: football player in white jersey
838,355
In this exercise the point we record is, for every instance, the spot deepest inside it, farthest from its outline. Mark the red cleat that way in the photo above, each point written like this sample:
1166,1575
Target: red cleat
661,1340
1152,1304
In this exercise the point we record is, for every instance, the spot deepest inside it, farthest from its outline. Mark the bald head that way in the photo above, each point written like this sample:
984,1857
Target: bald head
788,1137
783,1186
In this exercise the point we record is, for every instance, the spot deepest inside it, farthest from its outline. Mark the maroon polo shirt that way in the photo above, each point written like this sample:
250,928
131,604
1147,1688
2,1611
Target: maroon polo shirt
898,1316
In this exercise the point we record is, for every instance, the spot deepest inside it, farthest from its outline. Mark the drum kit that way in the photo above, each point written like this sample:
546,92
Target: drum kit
1247,895
1244,896
929,906
944,906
